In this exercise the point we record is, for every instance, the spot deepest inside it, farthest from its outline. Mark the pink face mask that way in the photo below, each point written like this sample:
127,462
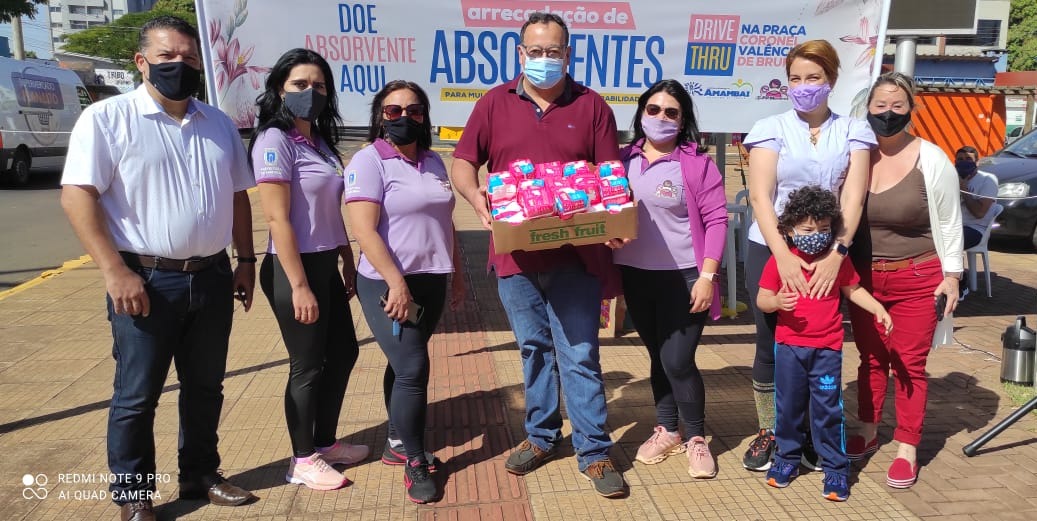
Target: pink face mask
807,98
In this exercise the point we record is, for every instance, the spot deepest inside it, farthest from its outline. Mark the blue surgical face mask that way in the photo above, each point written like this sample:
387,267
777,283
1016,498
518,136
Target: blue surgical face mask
813,243
545,72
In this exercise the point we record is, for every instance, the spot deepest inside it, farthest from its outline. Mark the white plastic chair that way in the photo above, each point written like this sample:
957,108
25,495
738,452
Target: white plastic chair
981,249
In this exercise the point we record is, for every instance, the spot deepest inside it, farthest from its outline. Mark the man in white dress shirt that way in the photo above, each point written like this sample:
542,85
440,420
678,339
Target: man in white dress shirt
154,186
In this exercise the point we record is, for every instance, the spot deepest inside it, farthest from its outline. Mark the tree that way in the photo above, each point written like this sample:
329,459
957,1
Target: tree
14,8
117,41
186,6
1022,36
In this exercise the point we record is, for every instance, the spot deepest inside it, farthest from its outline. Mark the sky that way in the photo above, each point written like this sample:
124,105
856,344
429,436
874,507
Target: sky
35,32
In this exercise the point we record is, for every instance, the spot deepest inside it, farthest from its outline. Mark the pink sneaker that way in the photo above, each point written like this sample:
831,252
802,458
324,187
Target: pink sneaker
344,453
660,446
700,460
315,473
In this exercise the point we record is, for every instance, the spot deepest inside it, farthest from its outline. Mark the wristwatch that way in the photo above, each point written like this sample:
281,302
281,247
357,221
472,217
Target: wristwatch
839,248
708,276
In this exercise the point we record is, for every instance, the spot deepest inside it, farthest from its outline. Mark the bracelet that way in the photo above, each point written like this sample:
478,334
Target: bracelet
250,260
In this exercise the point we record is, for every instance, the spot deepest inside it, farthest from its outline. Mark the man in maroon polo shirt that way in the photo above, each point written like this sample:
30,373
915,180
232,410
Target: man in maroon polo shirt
552,297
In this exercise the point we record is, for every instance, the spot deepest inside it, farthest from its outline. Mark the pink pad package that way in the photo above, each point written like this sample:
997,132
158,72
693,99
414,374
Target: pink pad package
501,188
569,202
536,199
522,169
588,182
576,167
614,190
548,171
510,212
611,168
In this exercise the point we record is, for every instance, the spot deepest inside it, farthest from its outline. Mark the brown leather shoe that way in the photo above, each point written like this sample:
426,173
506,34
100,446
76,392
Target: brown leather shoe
137,511
217,490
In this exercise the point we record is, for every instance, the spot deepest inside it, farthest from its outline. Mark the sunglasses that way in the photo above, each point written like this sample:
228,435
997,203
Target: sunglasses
670,112
395,111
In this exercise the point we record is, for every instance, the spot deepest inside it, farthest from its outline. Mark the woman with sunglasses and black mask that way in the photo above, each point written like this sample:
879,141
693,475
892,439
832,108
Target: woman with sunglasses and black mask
400,203
669,270
299,174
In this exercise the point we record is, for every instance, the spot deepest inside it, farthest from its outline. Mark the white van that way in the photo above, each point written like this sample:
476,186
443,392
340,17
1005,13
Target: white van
39,104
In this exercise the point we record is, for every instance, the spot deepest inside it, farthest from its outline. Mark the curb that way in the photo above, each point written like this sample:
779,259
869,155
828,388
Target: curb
43,277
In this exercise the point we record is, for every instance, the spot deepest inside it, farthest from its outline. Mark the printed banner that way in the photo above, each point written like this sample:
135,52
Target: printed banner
729,55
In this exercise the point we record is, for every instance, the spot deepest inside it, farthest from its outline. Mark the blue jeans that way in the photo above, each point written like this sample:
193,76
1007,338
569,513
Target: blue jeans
189,325
555,315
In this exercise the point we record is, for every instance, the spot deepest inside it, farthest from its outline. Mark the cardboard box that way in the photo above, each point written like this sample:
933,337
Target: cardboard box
546,233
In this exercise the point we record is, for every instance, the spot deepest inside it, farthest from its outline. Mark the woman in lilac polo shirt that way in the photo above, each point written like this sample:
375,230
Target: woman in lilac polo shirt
669,270
806,145
299,175
399,201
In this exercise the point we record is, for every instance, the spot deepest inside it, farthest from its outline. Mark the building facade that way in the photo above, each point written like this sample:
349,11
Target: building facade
69,16
963,60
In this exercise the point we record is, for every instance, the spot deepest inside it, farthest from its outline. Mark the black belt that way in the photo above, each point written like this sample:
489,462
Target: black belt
134,260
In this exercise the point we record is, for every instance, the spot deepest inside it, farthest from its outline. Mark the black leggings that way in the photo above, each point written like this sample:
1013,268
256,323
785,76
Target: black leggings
406,377
321,355
658,302
763,363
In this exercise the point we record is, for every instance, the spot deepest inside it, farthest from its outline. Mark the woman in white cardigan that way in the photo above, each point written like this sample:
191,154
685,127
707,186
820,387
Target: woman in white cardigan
909,255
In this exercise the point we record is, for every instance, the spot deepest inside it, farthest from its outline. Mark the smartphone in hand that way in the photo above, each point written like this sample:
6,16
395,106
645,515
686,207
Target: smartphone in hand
414,310
941,305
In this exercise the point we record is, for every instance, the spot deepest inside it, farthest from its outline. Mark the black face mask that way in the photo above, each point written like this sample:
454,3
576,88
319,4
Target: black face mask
174,80
965,168
403,131
888,123
306,105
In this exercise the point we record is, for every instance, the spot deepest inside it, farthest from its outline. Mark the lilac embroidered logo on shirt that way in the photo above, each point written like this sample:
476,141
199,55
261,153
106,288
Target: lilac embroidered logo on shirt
270,156
351,178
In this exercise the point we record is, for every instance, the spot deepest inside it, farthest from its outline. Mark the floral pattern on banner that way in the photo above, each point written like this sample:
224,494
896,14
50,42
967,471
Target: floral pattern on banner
230,64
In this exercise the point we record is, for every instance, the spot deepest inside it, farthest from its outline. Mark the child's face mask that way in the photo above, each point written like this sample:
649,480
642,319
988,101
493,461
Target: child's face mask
812,244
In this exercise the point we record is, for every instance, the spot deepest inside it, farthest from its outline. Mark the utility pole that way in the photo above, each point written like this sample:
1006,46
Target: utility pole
17,44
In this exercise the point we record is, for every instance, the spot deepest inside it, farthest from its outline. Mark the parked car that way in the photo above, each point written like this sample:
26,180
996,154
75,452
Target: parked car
1013,135
1015,167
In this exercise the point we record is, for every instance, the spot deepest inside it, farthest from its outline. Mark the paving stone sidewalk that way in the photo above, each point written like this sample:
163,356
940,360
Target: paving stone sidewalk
56,378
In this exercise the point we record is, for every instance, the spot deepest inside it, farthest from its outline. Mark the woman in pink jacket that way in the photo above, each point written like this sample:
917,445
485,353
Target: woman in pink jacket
669,271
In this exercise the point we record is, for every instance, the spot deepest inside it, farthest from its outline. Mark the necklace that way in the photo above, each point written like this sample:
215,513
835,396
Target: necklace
814,132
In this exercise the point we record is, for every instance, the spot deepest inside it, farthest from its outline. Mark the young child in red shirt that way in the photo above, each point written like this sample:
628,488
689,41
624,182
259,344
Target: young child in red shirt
808,345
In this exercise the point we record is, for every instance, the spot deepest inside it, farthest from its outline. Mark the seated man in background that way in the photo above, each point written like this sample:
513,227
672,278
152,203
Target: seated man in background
978,192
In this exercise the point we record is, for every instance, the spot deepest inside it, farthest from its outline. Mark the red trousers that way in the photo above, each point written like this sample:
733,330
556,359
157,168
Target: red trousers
908,296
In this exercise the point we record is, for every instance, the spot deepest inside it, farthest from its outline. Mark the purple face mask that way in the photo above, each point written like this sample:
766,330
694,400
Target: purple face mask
659,130
807,98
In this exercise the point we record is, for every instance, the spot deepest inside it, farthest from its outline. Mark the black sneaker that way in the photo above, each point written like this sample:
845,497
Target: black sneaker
421,486
761,451
606,479
809,459
526,458
395,456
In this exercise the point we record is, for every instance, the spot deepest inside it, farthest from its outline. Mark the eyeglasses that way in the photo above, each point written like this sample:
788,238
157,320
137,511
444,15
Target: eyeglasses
395,111
555,53
670,112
